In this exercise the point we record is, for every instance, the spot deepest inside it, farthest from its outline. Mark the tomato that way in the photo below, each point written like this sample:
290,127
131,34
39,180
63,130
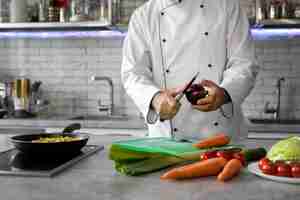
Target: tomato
280,162
240,157
208,155
268,168
295,170
283,169
225,154
263,161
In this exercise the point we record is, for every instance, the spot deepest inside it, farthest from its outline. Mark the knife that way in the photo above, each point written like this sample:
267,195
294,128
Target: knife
181,94
178,98
153,116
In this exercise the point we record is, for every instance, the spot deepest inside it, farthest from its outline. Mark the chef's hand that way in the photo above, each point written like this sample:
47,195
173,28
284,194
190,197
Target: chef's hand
215,98
165,103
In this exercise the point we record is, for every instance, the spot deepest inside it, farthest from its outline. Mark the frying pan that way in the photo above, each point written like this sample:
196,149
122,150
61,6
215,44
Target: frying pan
24,143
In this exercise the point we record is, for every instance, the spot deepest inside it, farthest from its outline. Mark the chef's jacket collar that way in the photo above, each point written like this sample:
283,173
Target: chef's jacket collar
174,1
167,3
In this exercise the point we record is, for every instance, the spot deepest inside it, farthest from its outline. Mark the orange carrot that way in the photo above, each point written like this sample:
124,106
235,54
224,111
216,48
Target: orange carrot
213,141
231,169
208,167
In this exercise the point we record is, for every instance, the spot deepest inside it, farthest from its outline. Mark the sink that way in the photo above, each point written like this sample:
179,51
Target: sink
276,121
100,117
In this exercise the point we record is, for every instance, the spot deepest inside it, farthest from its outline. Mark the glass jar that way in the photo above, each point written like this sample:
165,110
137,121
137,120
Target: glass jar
4,10
53,12
18,11
104,14
78,11
91,10
116,11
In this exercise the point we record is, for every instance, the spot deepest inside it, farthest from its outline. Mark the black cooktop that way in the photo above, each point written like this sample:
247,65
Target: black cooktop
13,162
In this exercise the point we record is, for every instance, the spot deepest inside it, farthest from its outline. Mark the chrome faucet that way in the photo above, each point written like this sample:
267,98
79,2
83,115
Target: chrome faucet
109,108
275,111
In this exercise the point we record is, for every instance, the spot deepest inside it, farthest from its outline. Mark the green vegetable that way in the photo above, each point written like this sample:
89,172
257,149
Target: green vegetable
285,150
137,162
254,154
147,166
123,155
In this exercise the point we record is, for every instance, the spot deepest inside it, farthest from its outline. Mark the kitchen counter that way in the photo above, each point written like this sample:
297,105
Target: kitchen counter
256,130
95,179
62,121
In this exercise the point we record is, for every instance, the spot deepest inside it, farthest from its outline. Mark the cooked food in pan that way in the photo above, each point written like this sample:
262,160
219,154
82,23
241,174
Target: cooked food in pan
56,138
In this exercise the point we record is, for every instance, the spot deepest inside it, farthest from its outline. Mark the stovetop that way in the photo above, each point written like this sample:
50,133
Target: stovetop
13,162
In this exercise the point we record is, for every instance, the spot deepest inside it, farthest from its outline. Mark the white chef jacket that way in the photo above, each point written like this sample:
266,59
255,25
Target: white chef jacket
168,41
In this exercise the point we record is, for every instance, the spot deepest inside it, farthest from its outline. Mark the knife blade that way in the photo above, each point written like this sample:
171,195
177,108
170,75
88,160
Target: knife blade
180,95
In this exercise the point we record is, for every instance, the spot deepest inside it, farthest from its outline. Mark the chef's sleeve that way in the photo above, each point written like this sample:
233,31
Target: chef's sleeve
136,69
241,68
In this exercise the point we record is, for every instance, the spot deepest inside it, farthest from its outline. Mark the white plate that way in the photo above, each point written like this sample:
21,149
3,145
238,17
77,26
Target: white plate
253,168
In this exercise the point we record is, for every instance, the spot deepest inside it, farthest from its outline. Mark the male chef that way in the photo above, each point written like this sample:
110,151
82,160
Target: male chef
168,42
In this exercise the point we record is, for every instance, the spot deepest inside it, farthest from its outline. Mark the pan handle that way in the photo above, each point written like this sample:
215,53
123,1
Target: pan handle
72,127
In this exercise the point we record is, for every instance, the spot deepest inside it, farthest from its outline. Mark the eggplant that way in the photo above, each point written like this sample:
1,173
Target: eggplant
195,92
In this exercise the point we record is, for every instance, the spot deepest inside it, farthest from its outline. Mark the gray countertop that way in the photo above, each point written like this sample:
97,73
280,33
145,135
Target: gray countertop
95,178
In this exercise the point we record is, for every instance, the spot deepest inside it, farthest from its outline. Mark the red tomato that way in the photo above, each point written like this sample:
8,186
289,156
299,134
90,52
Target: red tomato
268,168
263,162
208,155
283,170
295,170
240,157
225,154
280,162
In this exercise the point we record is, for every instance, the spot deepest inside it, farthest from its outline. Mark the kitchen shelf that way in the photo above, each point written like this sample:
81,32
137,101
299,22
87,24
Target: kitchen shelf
266,30
54,26
279,23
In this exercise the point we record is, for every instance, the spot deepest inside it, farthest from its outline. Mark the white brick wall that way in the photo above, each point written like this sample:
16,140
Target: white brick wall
66,67
278,58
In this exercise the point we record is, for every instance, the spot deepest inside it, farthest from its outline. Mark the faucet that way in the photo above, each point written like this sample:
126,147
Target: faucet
275,111
109,108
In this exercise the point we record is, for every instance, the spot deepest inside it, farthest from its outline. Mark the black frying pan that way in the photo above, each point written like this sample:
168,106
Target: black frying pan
25,144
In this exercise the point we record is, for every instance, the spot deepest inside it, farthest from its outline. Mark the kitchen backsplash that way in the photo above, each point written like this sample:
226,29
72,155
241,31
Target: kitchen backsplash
65,66
278,58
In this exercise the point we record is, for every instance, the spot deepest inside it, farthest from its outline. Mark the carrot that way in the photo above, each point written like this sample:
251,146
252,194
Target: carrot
213,141
208,167
231,169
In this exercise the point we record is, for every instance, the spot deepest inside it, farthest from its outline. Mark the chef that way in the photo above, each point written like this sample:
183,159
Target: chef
168,42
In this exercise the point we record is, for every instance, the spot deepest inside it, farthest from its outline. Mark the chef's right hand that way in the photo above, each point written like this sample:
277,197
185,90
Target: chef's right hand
165,103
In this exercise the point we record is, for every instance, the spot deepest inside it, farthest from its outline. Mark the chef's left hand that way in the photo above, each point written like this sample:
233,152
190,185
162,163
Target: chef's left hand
214,99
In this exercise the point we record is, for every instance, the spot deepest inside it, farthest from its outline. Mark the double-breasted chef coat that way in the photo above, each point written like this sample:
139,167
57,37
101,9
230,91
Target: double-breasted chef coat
168,41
